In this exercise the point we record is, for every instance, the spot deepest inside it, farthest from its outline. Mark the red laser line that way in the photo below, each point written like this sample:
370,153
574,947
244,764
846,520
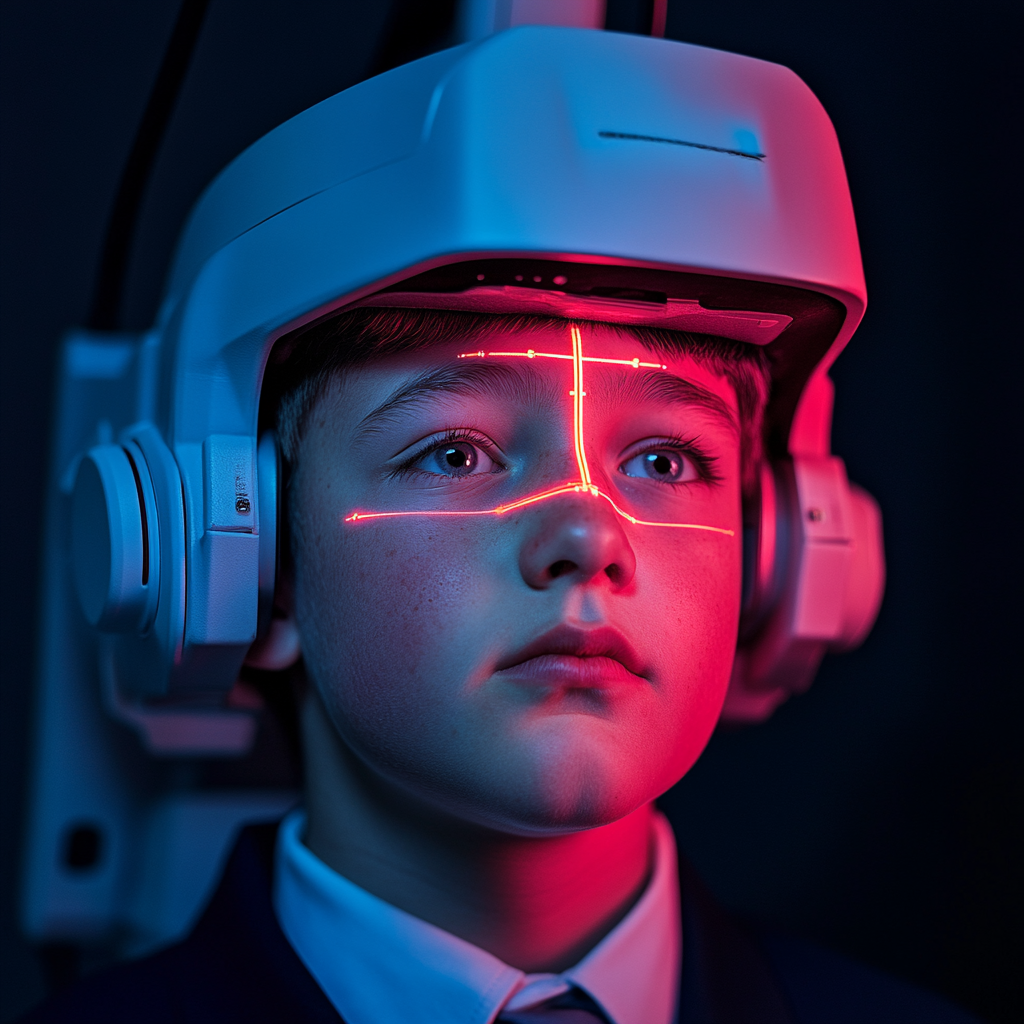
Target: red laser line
584,485
533,354
578,394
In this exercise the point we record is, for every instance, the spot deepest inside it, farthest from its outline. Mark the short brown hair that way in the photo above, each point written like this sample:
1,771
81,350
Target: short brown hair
303,365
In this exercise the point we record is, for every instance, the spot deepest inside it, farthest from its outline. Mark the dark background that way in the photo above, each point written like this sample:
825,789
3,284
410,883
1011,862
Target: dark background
880,813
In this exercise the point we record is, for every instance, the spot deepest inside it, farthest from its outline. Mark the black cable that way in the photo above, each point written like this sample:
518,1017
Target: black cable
110,281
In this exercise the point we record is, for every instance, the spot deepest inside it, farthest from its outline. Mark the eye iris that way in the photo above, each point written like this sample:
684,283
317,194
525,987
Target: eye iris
660,463
458,458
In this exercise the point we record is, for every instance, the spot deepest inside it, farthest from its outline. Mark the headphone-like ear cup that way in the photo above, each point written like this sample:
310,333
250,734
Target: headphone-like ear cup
865,582
815,581
268,500
115,548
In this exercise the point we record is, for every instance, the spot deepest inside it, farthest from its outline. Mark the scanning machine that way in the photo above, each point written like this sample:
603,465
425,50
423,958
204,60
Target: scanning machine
547,169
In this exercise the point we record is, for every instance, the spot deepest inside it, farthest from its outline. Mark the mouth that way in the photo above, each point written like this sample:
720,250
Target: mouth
573,658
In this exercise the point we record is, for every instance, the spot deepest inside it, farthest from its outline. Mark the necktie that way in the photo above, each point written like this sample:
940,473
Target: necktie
572,1007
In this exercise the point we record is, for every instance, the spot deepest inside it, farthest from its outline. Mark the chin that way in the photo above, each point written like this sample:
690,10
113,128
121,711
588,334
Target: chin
572,781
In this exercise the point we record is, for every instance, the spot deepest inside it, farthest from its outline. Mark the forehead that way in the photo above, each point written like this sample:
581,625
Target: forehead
542,357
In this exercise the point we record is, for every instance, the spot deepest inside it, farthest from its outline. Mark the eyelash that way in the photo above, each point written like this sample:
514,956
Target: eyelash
692,449
453,435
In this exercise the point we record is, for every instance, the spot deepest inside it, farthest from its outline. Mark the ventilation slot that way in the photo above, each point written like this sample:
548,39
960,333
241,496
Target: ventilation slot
145,520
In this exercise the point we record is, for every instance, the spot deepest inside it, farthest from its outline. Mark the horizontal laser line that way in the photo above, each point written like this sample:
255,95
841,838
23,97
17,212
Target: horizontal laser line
532,354
578,488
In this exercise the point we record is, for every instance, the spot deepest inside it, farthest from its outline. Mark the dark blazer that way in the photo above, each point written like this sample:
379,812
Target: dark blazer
237,966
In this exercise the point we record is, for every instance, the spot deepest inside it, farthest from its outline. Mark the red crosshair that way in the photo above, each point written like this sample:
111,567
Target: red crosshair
583,485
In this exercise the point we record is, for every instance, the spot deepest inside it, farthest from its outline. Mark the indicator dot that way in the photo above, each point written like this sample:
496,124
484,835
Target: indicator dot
519,277
479,277
536,279
561,279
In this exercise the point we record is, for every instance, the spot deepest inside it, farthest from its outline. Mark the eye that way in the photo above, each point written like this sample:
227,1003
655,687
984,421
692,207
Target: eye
665,464
455,459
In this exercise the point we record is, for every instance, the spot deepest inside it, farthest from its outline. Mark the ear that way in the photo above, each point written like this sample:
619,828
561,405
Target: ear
280,647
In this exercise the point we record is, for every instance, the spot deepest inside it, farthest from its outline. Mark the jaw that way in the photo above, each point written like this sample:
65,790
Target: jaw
557,773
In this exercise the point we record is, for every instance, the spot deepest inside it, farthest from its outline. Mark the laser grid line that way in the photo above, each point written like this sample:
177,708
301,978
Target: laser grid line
584,485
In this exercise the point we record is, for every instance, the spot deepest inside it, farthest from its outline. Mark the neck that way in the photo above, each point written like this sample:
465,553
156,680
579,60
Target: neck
537,903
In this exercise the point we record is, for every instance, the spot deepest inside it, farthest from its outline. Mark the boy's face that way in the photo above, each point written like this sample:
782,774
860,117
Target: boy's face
547,668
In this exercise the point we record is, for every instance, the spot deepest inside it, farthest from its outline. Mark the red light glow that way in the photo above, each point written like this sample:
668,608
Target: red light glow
584,484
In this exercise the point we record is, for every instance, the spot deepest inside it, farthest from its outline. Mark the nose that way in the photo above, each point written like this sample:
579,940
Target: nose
577,537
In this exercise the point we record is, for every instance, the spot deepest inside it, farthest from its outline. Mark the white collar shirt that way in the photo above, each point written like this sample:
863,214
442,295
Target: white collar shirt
377,964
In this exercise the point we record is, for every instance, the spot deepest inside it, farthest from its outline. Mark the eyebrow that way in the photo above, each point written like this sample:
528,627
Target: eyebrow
497,379
662,386
477,380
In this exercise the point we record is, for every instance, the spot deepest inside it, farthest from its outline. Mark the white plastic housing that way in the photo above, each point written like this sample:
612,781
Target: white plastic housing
828,575
110,543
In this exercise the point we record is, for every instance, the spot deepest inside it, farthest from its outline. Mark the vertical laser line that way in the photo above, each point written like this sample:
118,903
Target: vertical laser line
578,395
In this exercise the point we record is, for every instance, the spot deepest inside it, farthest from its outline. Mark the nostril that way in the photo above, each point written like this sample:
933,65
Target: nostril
621,572
561,568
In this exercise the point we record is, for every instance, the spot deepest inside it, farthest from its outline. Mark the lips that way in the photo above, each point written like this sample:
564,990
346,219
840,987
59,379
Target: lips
571,657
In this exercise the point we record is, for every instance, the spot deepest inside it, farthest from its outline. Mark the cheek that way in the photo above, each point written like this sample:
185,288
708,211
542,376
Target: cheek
699,591
703,591
394,620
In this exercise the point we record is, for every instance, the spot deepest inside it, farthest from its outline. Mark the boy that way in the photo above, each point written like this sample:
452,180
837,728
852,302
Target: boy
514,575
495,700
